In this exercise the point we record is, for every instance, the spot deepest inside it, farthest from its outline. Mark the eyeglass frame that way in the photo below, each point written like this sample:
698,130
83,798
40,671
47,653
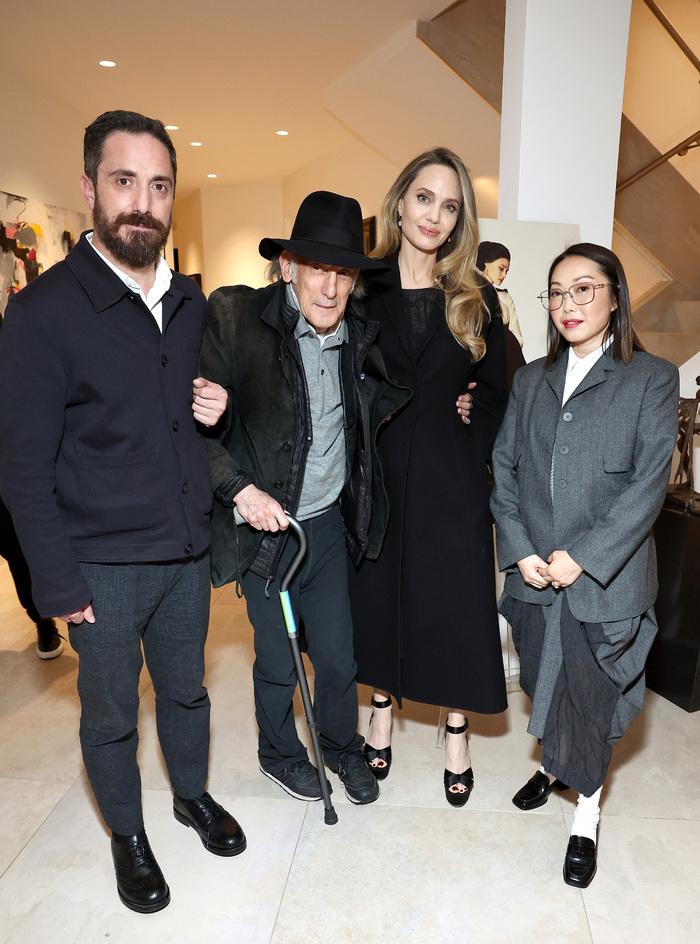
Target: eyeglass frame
546,307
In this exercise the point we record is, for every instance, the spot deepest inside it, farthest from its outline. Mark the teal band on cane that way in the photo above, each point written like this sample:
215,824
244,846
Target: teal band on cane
288,615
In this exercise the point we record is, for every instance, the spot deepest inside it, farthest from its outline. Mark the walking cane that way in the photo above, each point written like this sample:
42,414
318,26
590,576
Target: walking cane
330,816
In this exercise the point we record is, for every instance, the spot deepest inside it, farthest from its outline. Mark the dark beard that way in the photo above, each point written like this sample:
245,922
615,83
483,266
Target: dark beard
138,250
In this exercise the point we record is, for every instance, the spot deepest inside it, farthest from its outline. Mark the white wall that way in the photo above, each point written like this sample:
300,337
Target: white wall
42,153
234,220
229,222
563,80
187,233
357,171
430,106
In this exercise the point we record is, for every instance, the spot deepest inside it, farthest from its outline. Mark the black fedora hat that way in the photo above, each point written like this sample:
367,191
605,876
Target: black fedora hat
328,229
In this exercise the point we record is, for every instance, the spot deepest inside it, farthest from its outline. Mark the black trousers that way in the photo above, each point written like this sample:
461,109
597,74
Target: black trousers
12,552
162,609
319,597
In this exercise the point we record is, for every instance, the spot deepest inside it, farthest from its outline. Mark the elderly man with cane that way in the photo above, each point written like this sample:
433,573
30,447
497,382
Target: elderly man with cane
308,393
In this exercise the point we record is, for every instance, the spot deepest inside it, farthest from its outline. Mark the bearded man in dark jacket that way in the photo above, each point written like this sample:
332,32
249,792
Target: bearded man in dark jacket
308,393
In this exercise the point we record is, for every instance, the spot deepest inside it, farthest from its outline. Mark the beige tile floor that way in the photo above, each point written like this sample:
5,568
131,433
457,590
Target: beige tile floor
406,869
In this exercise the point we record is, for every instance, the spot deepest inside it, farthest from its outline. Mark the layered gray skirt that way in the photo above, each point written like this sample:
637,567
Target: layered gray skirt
585,682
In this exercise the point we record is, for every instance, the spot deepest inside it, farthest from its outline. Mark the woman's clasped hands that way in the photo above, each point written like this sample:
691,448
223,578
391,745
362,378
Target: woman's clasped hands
560,570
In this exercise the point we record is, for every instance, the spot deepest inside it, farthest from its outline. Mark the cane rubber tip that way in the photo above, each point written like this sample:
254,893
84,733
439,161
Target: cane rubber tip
331,817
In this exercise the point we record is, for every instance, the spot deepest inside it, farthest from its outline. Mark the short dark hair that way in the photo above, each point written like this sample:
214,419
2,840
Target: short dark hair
625,339
489,252
130,121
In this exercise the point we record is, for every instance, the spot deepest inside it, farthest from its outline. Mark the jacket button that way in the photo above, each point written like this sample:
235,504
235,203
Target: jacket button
564,450
278,485
164,360
176,426
188,549
567,417
185,488
562,483
286,446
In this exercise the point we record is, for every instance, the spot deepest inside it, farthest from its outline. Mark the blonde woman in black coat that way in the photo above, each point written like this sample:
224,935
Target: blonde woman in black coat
424,613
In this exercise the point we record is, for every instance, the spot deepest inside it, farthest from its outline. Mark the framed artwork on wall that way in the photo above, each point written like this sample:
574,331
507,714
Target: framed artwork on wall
369,233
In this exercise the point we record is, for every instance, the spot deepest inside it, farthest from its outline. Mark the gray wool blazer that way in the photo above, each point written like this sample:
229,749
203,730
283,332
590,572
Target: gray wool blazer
588,478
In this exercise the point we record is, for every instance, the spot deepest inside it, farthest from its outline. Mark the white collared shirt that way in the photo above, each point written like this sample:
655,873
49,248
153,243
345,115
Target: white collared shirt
578,367
154,299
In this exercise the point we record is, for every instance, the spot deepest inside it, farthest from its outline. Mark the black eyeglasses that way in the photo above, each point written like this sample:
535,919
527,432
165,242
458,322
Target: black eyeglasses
581,294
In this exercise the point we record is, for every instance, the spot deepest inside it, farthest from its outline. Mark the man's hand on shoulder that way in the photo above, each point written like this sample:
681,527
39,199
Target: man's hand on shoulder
464,404
260,510
84,613
209,401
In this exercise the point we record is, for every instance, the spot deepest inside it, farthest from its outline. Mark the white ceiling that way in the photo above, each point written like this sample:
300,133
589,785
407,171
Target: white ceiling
232,72
229,73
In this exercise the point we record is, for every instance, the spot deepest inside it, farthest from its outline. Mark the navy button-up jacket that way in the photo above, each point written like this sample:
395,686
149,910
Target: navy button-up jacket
100,459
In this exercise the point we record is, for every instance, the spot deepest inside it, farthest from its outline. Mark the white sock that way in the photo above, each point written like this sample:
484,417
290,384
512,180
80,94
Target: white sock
548,776
587,816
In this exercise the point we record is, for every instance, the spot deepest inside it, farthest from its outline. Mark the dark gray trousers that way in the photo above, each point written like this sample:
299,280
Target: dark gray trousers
163,607
319,597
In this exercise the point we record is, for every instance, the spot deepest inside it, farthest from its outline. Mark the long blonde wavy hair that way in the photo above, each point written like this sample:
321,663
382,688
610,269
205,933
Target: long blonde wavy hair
455,266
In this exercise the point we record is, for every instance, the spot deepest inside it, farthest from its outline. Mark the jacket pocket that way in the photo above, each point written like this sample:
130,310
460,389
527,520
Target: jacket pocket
121,492
617,458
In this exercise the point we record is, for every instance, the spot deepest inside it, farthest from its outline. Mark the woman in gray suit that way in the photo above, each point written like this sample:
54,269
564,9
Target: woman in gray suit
581,466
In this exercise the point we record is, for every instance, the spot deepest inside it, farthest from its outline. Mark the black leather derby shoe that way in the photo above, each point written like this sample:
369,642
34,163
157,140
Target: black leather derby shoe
218,830
536,792
580,863
140,882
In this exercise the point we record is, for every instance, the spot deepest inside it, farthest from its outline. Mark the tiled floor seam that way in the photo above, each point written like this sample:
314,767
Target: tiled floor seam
291,866
39,825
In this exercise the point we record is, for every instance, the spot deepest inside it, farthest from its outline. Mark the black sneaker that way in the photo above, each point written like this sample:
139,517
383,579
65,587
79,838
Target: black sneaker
299,780
360,783
49,642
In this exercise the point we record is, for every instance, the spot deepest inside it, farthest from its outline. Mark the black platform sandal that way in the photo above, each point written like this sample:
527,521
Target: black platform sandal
382,754
451,779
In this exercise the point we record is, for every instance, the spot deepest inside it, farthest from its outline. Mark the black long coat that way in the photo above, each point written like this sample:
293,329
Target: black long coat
424,612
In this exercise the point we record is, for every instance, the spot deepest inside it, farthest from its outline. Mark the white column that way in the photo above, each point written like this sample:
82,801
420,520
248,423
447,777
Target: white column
563,82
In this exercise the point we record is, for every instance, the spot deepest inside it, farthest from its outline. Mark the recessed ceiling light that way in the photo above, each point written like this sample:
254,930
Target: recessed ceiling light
211,175
107,63
195,143
282,133
172,127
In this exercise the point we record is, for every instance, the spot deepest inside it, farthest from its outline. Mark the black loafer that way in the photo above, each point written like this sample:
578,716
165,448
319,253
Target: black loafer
218,830
580,864
140,882
536,792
